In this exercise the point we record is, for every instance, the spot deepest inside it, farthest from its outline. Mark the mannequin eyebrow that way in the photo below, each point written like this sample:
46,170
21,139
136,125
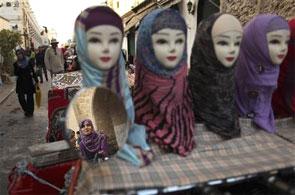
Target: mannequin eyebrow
99,33
224,36
161,33
115,33
279,36
95,33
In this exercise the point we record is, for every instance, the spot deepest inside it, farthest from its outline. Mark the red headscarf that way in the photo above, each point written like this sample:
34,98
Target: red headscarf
162,98
283,99
165,107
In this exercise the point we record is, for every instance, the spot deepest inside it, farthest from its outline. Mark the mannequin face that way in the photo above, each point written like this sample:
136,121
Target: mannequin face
104,45
227,47
168,45
278,45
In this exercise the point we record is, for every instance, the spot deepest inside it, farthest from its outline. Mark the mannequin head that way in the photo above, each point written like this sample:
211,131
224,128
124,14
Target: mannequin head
277,41
161,42
169,45
227,35
104,45
277,37
169,38
99,33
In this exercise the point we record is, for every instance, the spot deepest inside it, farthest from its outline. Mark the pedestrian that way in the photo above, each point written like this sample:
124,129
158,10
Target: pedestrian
54,59
40,64
93,145
25,88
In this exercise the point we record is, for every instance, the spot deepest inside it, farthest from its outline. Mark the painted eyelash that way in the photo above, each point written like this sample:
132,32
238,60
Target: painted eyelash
94,40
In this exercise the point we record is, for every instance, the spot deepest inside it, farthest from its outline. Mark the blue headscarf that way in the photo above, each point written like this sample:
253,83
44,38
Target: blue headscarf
113,79
153,22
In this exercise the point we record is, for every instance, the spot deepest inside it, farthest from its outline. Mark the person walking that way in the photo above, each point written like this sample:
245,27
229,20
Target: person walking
40,64
54,59
25,88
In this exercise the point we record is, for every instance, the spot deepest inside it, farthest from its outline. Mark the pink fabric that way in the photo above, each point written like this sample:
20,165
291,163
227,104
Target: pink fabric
164,105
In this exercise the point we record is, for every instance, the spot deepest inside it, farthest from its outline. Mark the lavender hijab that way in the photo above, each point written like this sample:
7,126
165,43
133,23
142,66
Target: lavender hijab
255,75
92,144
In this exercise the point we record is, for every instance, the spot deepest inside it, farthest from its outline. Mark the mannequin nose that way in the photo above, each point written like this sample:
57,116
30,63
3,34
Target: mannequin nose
232,49
172,48
284,47
106,48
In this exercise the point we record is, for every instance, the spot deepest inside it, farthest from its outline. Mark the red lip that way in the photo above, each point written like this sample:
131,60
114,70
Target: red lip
230,59
105,59
171,58
281,56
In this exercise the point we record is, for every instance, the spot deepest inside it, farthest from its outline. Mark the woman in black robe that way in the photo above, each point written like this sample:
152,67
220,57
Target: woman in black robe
25,88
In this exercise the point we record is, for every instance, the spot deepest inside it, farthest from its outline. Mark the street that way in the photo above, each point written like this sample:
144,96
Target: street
17,132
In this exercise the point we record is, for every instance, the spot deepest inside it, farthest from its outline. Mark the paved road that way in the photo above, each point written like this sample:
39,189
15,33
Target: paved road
18,132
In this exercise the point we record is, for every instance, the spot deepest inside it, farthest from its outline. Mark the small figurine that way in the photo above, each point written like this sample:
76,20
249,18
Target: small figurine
263,48
99,33
211,77
70,135
283,99
93,145
78,137
161,95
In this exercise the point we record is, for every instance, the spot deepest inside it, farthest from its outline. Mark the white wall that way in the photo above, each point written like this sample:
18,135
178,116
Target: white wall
4,24
125,43
15,16
191,22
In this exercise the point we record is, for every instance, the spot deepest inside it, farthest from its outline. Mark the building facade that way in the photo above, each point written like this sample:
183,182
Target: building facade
122,6
245,10
21,19
4,23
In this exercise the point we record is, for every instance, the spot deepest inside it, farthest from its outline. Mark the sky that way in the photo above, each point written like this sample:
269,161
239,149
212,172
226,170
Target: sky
60,14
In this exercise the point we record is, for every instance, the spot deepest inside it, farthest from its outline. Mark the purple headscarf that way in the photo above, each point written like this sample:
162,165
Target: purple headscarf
255,75
92,144
100,15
